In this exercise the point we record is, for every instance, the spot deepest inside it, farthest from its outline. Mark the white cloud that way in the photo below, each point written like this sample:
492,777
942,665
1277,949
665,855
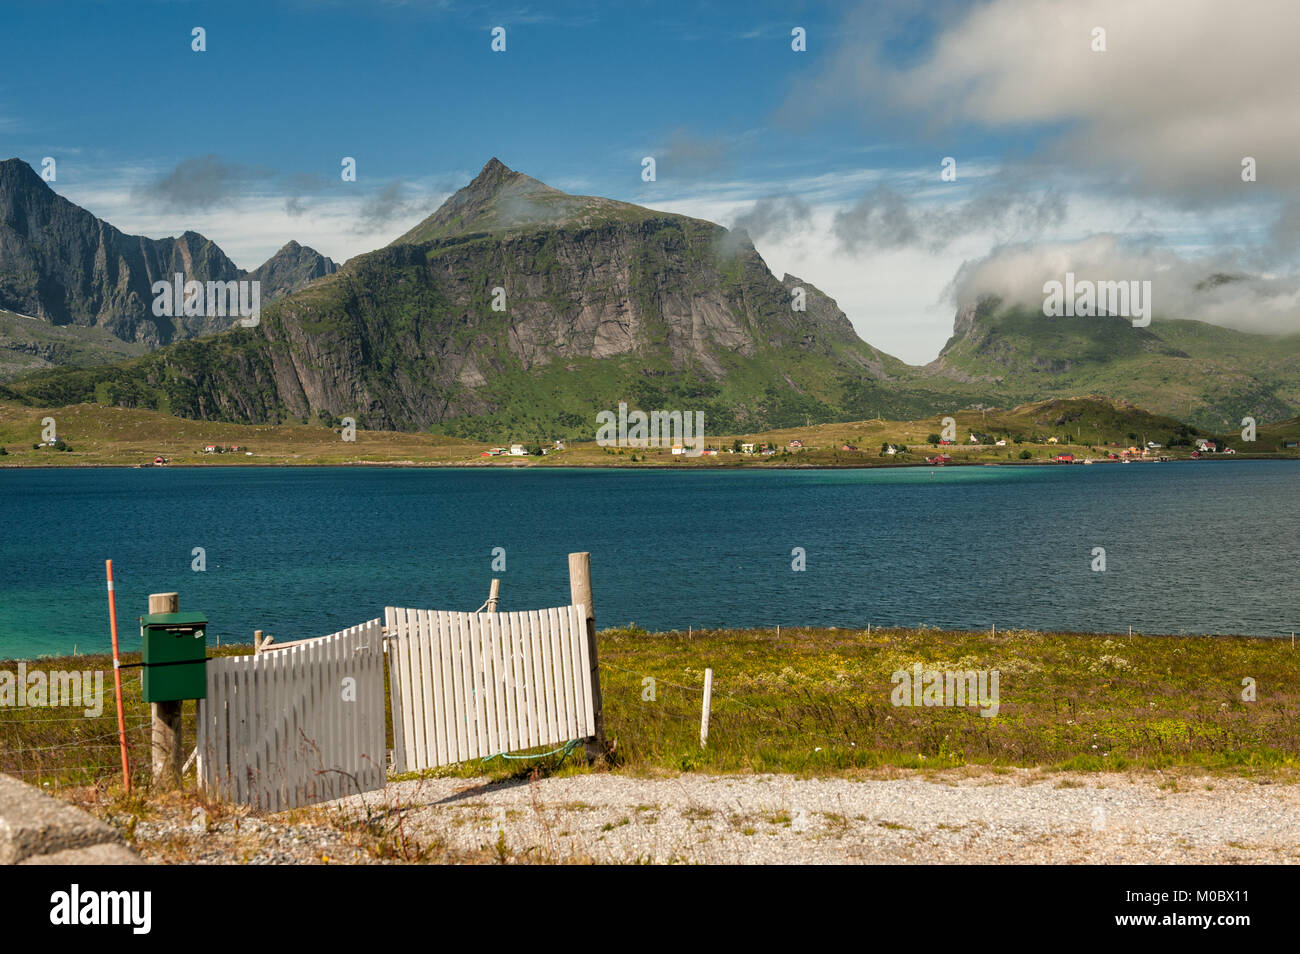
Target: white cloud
1185,89
1181,287
901,296
251,228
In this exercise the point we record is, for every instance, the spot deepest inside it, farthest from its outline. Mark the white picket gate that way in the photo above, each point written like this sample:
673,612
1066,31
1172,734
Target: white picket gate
470,685
296,724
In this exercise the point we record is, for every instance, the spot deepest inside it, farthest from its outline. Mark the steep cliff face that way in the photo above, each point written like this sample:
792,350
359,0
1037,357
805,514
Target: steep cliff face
516,307
409,336
61,264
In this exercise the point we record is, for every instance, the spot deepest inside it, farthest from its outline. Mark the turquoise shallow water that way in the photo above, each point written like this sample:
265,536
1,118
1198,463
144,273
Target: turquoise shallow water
1190,548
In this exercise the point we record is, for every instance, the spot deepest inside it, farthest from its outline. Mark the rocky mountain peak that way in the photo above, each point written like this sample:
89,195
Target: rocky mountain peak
499,199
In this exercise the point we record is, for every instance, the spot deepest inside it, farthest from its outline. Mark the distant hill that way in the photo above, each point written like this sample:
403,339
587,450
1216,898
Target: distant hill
28,344
290,269
62,265
1196,372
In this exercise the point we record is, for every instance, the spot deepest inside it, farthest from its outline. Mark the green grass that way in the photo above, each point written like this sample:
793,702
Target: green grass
818,702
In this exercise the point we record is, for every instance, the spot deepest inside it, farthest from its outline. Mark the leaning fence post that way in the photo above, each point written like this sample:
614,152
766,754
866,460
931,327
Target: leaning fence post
494,592
580,592
708,704
166,732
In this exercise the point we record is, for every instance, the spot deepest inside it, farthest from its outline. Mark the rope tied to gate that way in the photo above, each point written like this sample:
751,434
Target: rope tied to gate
563,751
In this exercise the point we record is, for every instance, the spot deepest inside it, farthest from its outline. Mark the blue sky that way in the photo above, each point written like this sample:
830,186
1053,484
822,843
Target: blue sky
1117,160
412,90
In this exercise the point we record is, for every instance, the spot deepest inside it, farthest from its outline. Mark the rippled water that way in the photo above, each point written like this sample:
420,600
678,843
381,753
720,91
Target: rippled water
1190,548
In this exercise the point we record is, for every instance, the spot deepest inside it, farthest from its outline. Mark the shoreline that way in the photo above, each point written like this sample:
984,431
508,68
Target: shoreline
638,465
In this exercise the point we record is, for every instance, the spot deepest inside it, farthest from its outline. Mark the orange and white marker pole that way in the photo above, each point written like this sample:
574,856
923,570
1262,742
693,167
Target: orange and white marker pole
117,677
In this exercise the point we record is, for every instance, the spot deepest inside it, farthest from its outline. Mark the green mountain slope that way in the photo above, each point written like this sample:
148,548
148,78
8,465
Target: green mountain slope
1200,373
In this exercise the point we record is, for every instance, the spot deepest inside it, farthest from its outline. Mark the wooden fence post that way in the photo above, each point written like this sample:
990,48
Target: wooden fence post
494,592
708,704
166,735
580,592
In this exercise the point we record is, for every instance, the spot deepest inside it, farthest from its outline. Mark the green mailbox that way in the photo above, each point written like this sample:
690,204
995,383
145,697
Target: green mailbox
175,656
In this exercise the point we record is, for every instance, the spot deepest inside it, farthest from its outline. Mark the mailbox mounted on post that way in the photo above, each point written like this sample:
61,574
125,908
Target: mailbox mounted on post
175,656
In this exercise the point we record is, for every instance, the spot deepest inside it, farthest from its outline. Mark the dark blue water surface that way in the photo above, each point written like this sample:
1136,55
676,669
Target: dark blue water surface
1190,548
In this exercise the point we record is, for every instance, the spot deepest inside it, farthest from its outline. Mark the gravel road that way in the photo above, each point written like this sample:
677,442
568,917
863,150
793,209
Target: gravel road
1018,817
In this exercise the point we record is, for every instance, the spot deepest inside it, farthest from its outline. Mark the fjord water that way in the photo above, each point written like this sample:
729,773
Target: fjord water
296,552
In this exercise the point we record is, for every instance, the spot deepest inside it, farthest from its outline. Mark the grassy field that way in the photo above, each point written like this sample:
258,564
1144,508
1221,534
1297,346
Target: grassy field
99,435
818,701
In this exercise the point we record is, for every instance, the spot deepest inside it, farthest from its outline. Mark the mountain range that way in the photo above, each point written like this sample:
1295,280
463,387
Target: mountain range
519,310
61,265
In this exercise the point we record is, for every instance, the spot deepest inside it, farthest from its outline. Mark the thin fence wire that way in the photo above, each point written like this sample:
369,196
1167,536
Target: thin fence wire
59,751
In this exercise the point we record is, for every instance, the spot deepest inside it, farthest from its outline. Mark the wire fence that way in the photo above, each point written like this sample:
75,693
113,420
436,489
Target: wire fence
68,738
57,752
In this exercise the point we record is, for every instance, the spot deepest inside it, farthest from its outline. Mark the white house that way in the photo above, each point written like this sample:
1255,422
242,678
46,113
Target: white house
747,448
517,450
